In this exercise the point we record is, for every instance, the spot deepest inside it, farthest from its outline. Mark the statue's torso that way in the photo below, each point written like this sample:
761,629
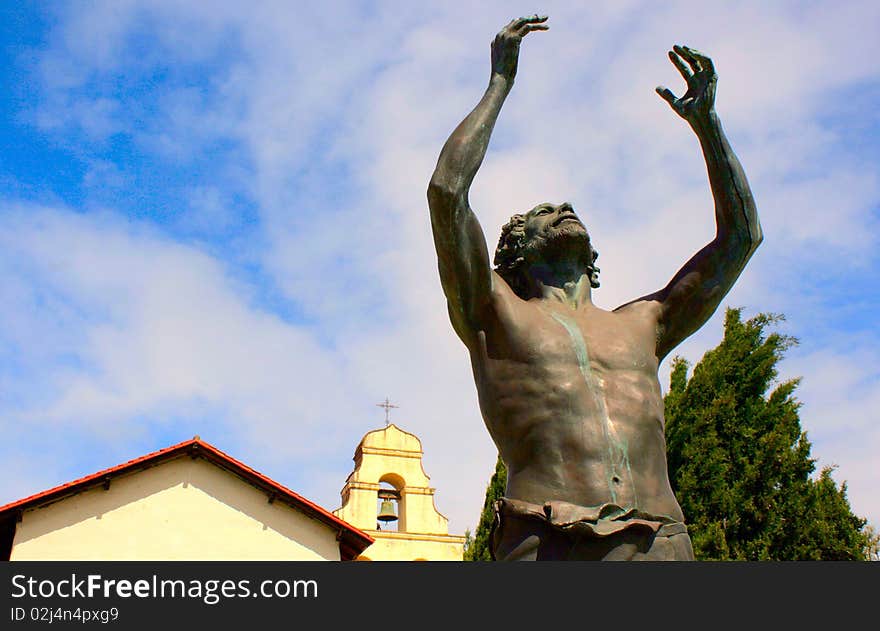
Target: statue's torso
572,400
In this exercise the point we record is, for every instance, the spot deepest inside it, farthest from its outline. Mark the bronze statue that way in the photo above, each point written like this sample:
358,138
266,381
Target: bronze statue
569,392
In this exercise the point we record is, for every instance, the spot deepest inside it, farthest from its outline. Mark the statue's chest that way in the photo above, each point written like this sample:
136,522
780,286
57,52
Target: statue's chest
596,341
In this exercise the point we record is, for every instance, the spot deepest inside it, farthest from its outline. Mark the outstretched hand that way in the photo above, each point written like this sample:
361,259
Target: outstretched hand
699,101
505,46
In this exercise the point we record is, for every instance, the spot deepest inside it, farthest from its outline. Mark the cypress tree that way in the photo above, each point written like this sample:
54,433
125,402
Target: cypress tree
740,464
478,548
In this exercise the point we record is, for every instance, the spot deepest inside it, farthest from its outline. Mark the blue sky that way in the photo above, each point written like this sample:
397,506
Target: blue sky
213,217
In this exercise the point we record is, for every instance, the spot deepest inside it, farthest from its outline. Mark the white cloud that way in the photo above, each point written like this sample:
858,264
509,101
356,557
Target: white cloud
840,392
159,331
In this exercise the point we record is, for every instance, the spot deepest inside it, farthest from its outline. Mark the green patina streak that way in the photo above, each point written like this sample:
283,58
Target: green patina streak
618,449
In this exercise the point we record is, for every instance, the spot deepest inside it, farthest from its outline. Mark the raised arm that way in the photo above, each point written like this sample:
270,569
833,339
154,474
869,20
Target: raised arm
695,292
465,271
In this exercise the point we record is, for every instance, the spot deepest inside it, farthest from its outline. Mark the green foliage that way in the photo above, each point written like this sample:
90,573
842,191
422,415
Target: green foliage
740,464
479,547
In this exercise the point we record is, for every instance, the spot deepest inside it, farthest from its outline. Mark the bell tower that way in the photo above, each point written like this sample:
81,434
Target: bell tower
388,496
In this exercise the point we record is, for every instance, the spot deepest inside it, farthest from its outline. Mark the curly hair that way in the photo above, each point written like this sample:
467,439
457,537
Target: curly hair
509,257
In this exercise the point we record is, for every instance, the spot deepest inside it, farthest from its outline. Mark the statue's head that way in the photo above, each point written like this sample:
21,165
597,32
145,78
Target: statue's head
546,232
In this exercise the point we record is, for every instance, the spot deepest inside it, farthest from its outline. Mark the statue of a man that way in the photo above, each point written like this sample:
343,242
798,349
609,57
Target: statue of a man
569,392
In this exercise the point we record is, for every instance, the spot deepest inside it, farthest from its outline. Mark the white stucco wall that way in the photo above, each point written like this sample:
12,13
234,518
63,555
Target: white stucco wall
184,509
404,546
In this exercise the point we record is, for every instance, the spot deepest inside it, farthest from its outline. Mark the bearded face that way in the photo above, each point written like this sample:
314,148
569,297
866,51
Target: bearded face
554,233
545,234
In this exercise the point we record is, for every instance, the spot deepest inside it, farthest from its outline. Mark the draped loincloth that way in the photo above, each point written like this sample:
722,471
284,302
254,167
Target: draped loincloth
575,529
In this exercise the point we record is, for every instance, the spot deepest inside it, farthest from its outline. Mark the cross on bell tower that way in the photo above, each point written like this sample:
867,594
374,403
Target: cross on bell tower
387,405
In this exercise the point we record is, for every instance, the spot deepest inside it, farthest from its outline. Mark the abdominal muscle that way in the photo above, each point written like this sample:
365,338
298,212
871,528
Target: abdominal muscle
584,435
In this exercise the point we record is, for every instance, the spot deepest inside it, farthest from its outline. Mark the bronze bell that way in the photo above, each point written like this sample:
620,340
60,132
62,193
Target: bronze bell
386,510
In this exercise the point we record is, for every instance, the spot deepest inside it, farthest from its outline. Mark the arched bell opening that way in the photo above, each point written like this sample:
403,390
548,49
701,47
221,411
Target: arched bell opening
389,509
